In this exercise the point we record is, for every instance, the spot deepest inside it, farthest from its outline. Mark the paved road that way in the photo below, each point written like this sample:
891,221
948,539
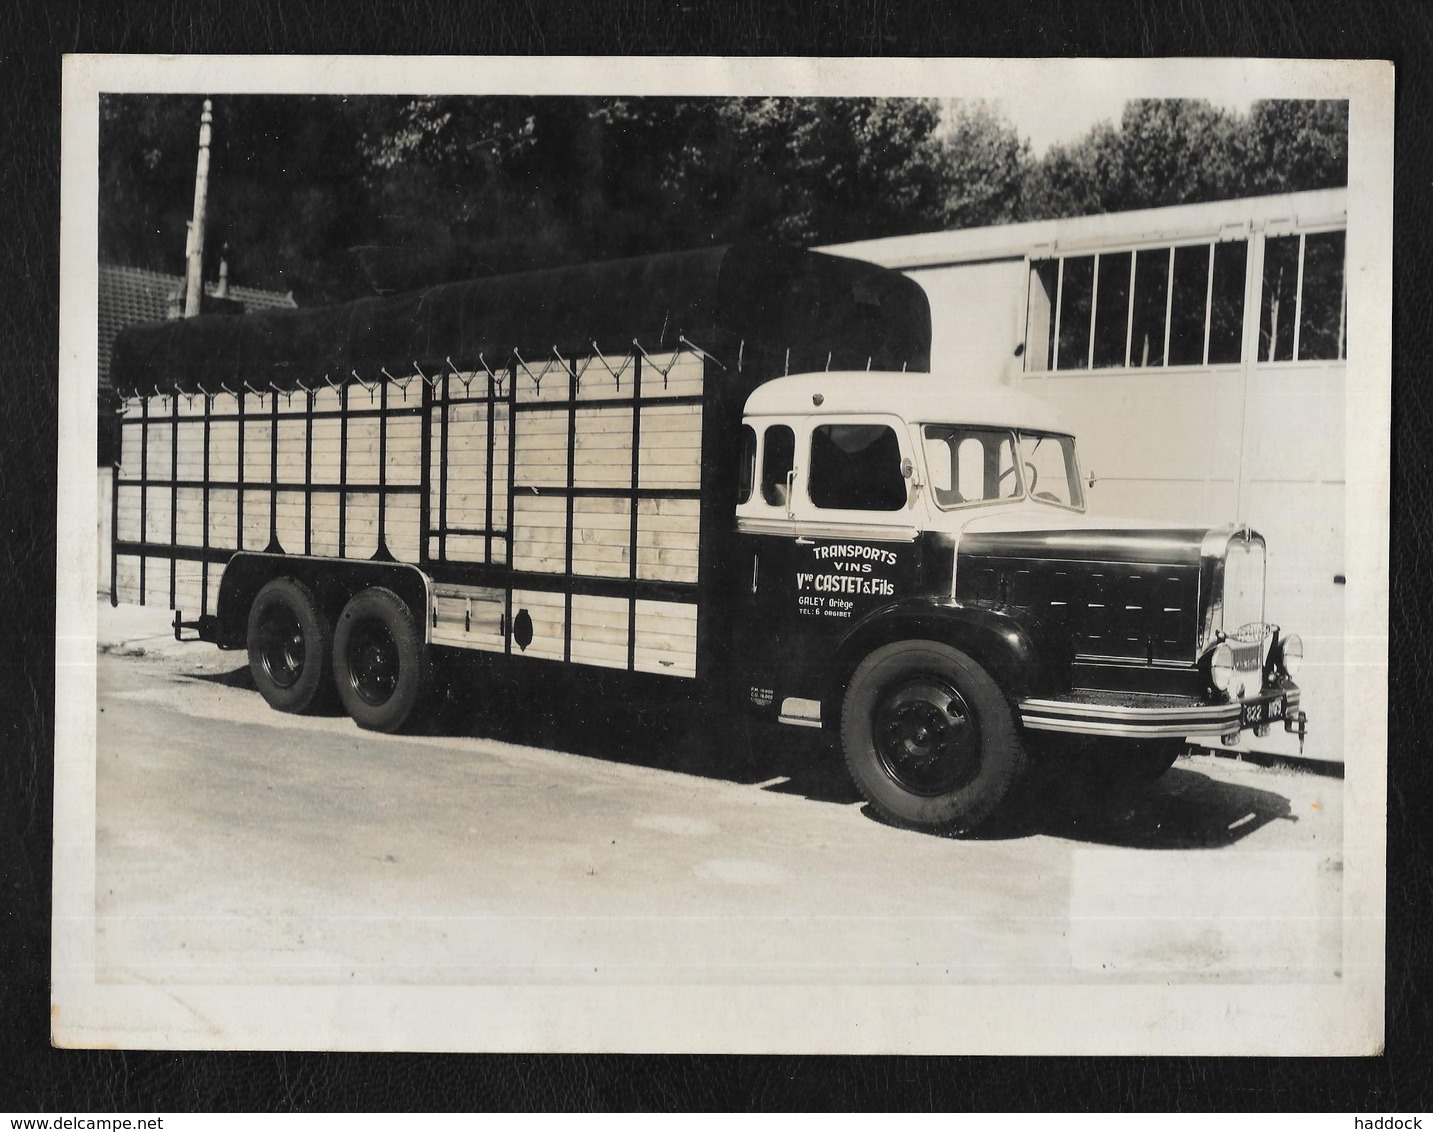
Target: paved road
236,844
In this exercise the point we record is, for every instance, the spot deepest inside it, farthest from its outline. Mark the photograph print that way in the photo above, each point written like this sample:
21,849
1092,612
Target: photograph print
694,559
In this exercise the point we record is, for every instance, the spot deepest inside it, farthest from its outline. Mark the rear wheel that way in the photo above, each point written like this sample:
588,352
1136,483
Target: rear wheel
929,737
380,661
290,641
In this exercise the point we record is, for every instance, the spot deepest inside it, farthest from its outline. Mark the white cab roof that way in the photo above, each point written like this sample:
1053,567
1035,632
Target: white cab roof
920,397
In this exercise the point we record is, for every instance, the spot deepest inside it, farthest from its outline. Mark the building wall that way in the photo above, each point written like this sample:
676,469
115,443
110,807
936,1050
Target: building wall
1231,437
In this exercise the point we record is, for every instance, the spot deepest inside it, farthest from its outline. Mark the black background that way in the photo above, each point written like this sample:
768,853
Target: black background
34,1077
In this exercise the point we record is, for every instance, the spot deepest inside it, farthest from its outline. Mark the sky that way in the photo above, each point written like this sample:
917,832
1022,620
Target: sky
1045,120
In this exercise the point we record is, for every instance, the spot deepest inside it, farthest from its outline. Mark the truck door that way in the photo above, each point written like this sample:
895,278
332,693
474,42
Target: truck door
834,537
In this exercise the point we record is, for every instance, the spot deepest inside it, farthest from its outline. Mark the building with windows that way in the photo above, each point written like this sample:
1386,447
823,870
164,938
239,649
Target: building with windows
1199,354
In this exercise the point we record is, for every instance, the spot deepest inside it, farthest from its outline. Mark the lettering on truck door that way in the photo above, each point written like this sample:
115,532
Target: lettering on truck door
832,539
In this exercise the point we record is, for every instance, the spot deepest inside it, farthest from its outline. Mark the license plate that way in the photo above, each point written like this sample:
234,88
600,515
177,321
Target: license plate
1263,711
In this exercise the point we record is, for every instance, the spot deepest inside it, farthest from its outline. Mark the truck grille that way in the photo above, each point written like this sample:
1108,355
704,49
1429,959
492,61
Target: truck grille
1243,597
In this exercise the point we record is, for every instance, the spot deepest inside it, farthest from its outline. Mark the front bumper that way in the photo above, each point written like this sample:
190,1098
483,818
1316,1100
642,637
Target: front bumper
1163,717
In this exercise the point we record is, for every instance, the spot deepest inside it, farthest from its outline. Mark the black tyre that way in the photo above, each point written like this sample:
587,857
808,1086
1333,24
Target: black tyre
380,661
290,645
929,738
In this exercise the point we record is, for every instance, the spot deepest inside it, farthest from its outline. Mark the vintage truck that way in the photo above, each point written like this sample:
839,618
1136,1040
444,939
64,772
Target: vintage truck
723,474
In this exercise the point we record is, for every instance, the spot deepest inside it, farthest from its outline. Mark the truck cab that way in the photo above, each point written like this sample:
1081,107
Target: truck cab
920,575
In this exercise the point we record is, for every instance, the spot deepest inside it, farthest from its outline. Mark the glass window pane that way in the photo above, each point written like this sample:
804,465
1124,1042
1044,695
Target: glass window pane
1112,310
1322,305
1186,312
746,469
1151,286
1040,315
1226,319
856,468
1276,305
970,465
970,459
777,459
1050,469
1076,292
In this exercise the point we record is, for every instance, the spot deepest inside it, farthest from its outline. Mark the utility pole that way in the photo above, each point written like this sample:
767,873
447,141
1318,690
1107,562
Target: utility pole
194,271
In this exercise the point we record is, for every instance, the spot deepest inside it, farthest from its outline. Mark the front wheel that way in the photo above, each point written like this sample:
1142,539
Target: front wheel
929,738
380,660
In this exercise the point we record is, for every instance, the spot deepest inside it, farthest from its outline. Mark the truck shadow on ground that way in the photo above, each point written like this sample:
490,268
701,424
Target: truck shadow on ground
1184,809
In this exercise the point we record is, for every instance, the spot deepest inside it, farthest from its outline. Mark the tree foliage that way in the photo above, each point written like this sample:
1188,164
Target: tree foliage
986,160
331,197
1183,151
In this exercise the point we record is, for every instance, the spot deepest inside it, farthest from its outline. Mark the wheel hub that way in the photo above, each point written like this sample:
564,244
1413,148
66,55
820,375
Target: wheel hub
282,650
373,663
926,737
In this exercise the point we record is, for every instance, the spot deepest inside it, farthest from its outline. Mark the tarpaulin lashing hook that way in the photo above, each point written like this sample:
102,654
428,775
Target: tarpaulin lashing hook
655,366
536,377
685,341
468,380
616,373
402,385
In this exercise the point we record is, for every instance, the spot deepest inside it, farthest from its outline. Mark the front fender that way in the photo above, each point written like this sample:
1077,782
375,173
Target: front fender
1023,654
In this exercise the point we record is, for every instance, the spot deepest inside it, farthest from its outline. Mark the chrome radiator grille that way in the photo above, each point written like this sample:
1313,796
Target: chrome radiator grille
1243,597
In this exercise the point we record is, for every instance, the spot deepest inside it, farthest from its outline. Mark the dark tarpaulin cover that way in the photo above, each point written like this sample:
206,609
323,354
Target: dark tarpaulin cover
757,297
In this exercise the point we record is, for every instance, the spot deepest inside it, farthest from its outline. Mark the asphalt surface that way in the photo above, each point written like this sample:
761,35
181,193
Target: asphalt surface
528,838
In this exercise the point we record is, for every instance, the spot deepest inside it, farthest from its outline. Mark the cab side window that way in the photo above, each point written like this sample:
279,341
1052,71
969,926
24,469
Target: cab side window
856,467
746,469
778,457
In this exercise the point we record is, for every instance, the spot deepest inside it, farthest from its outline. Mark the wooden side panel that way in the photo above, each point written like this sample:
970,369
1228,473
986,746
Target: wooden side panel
547,613
188,586
603,441
361,525
126,526
223,517
672,375
224,451
363,449
540,380
293,440
324,525
189,525
541,445
290,521
666,638
403,452
327,432
670,452
258,432
160,450
400,526
668,534
190,441
599,631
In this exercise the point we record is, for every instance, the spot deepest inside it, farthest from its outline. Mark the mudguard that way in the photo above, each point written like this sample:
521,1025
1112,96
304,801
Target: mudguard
1023,654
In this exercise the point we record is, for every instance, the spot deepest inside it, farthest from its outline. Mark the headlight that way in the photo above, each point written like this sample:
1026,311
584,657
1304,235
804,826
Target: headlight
1293,648
1221,666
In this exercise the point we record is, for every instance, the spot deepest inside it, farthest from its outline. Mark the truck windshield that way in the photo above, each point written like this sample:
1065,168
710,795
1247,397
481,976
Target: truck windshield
971,465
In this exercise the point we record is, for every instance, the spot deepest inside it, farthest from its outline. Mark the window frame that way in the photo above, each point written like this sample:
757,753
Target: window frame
1050,320
1302,234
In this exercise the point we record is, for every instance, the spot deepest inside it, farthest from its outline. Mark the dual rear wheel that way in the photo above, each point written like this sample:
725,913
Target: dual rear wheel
373,657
